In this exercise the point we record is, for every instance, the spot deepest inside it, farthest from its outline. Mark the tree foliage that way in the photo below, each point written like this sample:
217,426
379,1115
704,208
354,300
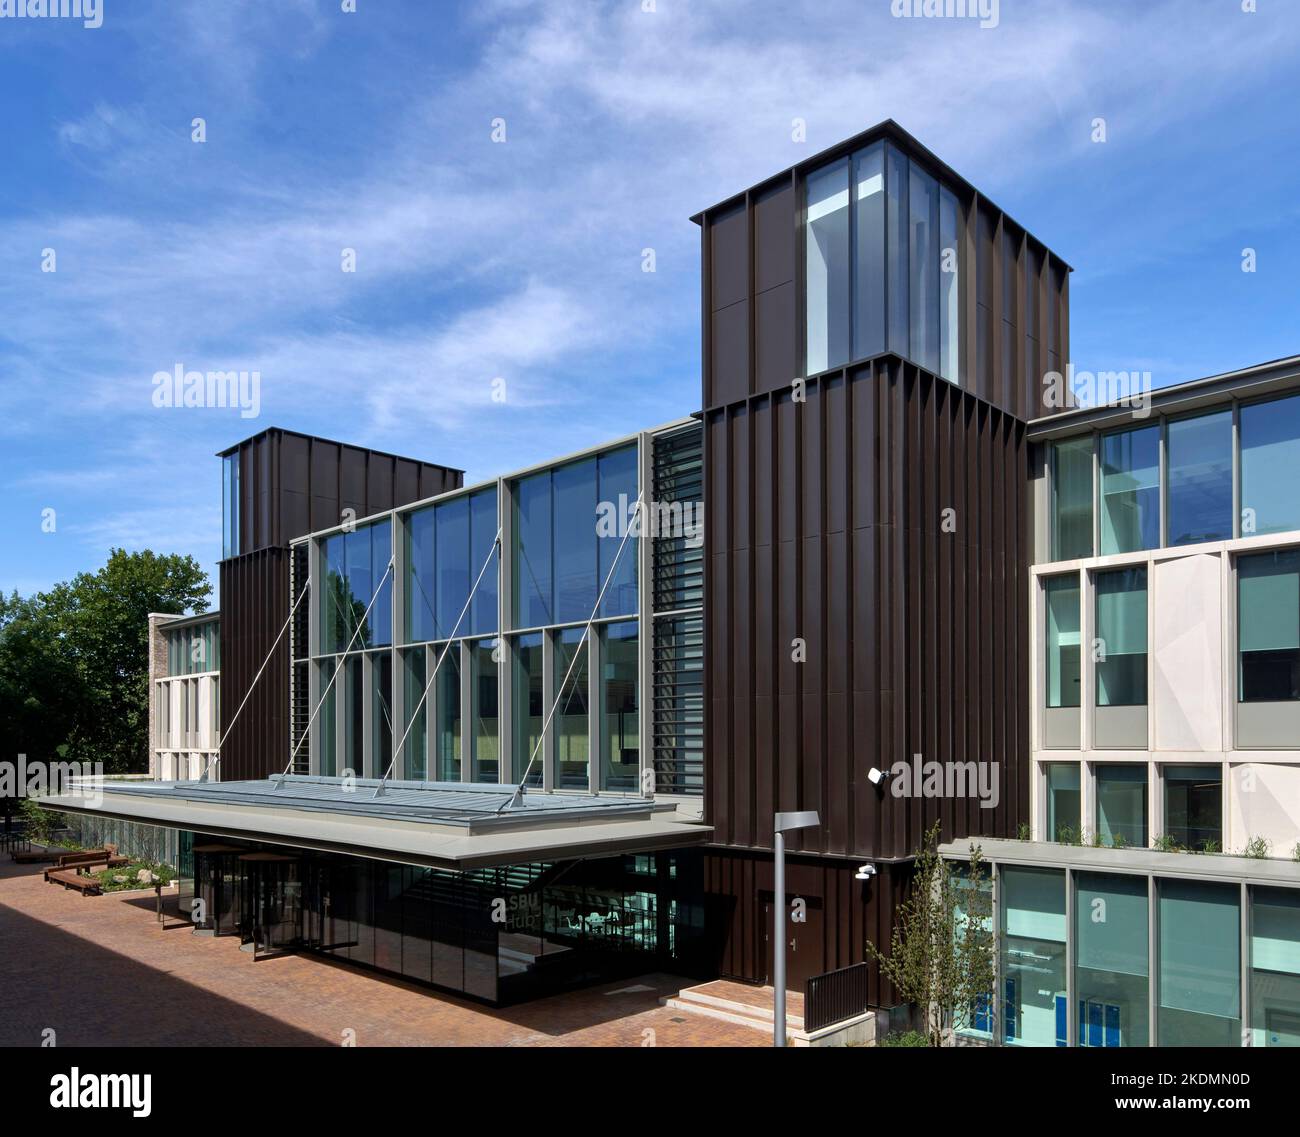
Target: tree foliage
74,661
941,952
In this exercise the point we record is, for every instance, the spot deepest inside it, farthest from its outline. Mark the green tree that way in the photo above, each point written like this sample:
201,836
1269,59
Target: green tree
74,661
941,953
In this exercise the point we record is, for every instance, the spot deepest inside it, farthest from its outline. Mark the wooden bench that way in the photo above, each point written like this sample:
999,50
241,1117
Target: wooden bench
35,856
70,878
106,857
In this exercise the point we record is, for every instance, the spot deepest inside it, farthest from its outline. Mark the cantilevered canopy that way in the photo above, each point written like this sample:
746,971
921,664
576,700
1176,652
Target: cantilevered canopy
448,825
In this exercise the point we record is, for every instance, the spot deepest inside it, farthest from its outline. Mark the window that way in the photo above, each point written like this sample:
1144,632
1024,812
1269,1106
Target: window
923,256
415,676
574,515
1033,956
1268,626
1064,802
529,709
328,718
1122,805
620,733
1194,807
230,505
482,536
380,626
532,551
381,711
352,691
1072,499
1200,964
1062,597
1275,967
420,587
617,474
826,241
448,708
869,252
1130,490
1200,479
1122,635
487,725
451,567
1270,456
882,242
949,287
1111,966
572,716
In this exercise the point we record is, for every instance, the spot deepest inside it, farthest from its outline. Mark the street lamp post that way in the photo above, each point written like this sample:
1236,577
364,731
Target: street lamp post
804,819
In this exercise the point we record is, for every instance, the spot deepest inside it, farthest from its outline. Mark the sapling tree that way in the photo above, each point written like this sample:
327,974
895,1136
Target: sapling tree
940,956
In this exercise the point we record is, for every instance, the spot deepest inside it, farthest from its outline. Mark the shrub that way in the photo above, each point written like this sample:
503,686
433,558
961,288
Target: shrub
904,1038
1257,847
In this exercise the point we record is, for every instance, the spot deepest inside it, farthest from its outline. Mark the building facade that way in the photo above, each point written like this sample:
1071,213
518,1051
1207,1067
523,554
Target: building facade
185,695
889,571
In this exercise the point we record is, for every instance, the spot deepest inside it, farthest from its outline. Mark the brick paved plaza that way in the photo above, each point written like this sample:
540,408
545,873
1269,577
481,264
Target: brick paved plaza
101,971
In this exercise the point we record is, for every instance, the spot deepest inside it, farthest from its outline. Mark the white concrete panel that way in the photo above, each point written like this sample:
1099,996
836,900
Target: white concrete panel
1265,802
1187,676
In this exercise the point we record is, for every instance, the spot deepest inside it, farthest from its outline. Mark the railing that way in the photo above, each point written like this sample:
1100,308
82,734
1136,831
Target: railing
835,996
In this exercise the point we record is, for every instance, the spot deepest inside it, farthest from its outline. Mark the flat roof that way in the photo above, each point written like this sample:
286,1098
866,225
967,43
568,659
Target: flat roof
449,825
1272,871
1259,379
332,442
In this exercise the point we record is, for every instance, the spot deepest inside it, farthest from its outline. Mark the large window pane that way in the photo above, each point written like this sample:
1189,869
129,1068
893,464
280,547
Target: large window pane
949,287
617,473
487,728
451,525
335,599
574,525
1268,626
1200,479
826,241
1064,802
529,711
1122,632
1275,967
1072,499
353,694
1200,964
1270,457
896,246
420,588
1194,807
449,719
923,255
326,720
1035,1007
572,718
381,711
869,254
620,722
1112,966
532,551
414,675
1130,490
483,532
1062,597
381,580
1122,805
361,583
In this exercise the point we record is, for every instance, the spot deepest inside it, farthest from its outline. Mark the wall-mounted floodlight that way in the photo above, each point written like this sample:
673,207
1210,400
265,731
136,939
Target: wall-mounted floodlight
865,872
877,777
785,822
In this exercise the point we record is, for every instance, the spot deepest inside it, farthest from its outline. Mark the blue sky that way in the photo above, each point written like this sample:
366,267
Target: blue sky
522,260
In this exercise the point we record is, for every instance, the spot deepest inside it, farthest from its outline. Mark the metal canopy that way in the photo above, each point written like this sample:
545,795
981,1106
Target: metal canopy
441,824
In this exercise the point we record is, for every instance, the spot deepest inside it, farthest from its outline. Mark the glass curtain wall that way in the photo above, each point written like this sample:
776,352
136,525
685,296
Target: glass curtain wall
1275,967
1036,1005
1199,481
1200,964
882,246
573,717
1112,962
529,709
486,750
1130,490
1072,499
620,732
1270,457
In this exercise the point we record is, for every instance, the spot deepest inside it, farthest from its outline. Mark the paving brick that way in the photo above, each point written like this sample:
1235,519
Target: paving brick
101,971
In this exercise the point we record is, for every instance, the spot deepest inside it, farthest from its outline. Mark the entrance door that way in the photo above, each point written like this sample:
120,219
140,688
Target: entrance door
273,904
803,944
